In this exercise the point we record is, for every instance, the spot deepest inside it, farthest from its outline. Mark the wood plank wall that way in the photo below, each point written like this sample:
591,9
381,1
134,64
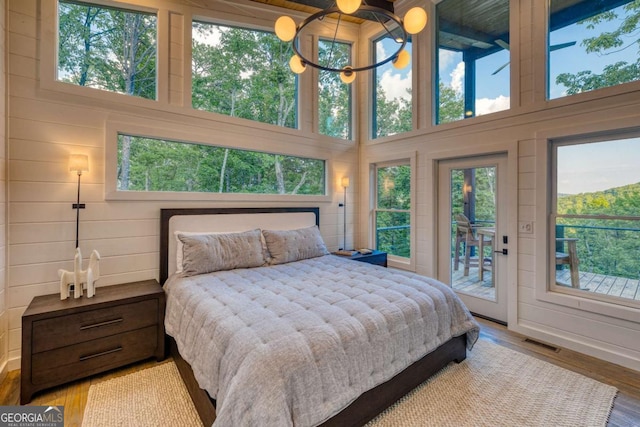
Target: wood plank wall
4,329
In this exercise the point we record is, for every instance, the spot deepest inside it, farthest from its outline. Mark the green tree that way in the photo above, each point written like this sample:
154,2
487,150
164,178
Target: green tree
451,104
624,37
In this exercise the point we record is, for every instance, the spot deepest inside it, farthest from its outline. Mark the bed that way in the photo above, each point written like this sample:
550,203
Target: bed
308,339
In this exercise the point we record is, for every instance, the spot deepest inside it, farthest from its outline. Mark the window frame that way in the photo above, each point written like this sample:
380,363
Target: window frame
351,102
242,26
48,67
373,90
544,233
410,160
543,73
553,215
191,135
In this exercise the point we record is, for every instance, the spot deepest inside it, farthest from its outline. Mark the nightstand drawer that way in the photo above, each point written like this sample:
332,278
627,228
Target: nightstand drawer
79,360
71,329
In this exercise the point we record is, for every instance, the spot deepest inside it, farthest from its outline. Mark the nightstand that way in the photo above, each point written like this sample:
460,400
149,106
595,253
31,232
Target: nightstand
65,340
375,257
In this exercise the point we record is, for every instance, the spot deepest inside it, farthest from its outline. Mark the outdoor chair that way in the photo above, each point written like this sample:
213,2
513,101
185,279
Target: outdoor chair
466,234
571,258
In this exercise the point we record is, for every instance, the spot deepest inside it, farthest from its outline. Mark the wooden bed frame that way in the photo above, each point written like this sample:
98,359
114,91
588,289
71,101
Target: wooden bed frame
364,408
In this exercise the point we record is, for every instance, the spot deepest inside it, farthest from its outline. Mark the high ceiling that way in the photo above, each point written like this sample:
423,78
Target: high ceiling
312,6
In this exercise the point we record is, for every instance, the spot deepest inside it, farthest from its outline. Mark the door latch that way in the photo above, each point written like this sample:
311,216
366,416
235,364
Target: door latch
503,252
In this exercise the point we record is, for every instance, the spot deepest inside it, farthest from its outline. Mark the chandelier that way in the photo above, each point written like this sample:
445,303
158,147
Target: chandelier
399,29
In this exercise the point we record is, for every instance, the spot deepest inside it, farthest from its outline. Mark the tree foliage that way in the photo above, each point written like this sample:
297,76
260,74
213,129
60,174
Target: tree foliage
109,49
160,165
393,221
334,96
605,246
243,73
626,36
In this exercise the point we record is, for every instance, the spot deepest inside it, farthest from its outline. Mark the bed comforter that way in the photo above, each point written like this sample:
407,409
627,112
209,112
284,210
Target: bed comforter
294,344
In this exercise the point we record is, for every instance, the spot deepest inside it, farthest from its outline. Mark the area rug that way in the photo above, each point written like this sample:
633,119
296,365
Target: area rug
495,386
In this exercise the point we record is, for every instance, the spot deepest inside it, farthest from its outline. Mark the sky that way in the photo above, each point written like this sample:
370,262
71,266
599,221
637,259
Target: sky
584,168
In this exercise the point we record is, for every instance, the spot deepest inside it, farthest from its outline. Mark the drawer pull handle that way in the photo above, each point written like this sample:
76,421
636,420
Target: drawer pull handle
97,325
91,356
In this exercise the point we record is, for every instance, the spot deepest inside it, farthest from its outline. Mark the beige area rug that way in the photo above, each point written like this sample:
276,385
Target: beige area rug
495,386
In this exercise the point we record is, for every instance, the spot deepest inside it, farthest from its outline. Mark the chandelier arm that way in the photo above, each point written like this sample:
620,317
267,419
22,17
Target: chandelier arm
329,11
333,42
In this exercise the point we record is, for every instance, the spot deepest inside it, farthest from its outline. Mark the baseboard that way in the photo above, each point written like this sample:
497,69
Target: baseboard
4,370
13,364
555,337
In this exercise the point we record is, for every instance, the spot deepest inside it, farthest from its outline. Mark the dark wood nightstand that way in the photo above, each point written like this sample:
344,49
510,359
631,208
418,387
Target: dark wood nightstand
375,257
70,339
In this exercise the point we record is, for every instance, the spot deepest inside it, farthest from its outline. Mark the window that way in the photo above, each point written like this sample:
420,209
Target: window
334,97
107,48
596,217
393,209
148,164
243,73
392,109
473,59
592,45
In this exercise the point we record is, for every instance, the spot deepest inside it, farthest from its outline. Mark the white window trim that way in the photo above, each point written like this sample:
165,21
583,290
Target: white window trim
201,136
49,56
409,158
544,289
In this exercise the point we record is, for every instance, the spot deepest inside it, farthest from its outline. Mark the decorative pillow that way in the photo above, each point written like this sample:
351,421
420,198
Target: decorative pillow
180,246
294,245
206,253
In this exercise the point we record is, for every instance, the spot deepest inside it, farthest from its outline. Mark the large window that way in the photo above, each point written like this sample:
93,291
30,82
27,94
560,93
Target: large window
392,112
148,164
393,209
473,59
334,96
592,45
596,217
107,48
243,73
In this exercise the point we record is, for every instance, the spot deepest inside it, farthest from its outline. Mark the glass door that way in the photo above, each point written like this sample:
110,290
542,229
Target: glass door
472,244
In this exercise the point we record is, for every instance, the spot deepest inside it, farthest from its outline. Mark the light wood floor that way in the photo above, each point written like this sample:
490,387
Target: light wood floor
626,411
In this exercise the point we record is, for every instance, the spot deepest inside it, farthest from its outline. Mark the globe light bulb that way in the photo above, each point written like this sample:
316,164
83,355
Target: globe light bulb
285,28
348,6
415,20
402,60
347,75
296,64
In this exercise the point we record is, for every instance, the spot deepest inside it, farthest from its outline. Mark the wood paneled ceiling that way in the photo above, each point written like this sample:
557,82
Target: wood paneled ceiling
313,6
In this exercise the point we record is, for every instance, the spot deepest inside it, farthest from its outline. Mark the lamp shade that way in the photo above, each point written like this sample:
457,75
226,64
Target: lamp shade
78,163
285,28
345,181
415,20
348,6
402,60
347,75
296,64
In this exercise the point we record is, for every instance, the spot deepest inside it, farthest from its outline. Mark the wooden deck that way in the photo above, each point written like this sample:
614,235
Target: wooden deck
602,284
591,282
472,285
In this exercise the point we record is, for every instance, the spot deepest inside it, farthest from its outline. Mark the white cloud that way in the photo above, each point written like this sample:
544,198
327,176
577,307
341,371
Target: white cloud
395,86
457,77
380,52
488,105
446,58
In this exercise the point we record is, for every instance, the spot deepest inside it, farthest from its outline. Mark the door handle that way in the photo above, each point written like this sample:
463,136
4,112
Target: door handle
503,252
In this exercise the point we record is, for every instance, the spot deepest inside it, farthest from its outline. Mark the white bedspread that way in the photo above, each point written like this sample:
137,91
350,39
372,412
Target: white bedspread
294,344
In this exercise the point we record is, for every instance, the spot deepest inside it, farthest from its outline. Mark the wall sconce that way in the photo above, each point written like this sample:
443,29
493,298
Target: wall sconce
345,185
78,163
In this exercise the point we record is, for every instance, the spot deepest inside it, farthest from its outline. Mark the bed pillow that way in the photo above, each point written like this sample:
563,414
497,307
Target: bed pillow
206,253
294,245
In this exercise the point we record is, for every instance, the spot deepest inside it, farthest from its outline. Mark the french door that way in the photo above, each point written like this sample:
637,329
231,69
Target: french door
472,242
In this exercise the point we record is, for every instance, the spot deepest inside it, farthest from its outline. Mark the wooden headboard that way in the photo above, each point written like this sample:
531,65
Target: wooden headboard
225,219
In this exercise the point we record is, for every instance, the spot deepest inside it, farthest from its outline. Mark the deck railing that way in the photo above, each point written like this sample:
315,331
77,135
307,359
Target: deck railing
607,250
